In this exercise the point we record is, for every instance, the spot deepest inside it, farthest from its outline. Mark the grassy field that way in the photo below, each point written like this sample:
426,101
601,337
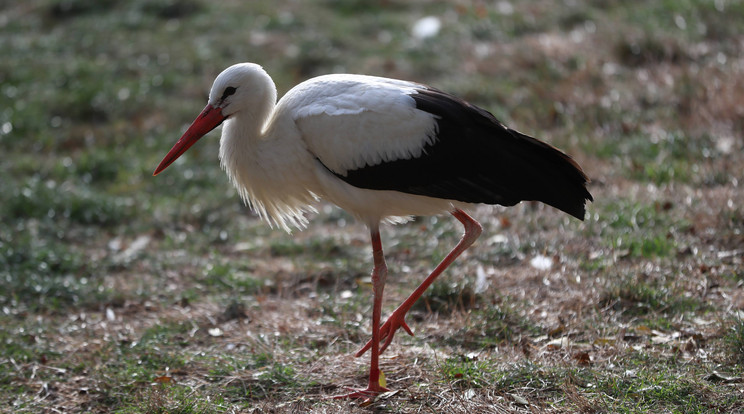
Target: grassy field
121,292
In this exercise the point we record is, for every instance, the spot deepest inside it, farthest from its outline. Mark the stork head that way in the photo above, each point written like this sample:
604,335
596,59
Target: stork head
244,88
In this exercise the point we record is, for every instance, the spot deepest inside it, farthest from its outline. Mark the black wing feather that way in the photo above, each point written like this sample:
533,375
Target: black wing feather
476,159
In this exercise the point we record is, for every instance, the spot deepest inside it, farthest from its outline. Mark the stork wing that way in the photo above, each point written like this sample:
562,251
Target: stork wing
351,121
394,135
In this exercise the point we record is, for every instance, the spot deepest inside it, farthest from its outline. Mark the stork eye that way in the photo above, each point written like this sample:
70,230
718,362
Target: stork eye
228,91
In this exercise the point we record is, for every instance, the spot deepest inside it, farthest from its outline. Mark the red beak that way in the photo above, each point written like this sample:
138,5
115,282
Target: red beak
209,119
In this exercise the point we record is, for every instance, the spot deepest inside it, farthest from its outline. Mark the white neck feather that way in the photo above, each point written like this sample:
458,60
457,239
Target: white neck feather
259,156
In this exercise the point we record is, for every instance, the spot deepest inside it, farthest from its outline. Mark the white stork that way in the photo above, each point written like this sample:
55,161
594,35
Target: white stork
381,149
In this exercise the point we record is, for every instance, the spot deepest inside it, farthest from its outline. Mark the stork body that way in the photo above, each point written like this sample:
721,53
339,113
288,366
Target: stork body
381,149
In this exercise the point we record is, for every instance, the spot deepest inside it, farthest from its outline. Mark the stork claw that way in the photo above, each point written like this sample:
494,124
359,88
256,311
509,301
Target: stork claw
387,332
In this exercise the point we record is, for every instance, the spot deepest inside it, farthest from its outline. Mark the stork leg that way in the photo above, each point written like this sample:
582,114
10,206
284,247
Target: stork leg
397,320
379,274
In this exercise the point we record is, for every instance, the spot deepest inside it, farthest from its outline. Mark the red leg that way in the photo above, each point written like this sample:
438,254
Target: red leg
379,274
397,320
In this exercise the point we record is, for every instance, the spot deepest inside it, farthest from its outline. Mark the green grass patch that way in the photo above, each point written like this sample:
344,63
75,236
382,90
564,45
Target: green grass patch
48,275
320,249
655,245
641,230
652,391
65,201
668,156
734,340
466,372
268,381
490,326
218,277
639,384
637,295
446,295
174,398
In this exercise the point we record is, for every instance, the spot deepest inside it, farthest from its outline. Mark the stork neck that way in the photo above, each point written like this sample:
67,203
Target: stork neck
264,159
247,127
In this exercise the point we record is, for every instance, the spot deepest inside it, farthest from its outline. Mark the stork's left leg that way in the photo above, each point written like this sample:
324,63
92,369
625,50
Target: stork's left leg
379,274
397,320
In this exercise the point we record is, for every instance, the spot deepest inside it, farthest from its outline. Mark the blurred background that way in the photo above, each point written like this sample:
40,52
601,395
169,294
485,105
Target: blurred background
117,279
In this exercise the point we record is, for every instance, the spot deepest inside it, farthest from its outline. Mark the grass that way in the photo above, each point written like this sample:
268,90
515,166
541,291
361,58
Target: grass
734,339
649,301
120,292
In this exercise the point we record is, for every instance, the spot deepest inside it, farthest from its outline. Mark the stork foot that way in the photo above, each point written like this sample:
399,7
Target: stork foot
387,331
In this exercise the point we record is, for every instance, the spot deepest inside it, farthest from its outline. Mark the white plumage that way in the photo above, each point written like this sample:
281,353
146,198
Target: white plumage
334,118
382,149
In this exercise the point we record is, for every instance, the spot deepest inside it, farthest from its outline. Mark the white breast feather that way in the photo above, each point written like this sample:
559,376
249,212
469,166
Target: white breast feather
270,175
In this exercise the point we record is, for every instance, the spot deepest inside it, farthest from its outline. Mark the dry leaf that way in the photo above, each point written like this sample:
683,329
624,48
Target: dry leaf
519,400
163,379
722,379
583,358
557,344
605,341
505,222
557,331
643,330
